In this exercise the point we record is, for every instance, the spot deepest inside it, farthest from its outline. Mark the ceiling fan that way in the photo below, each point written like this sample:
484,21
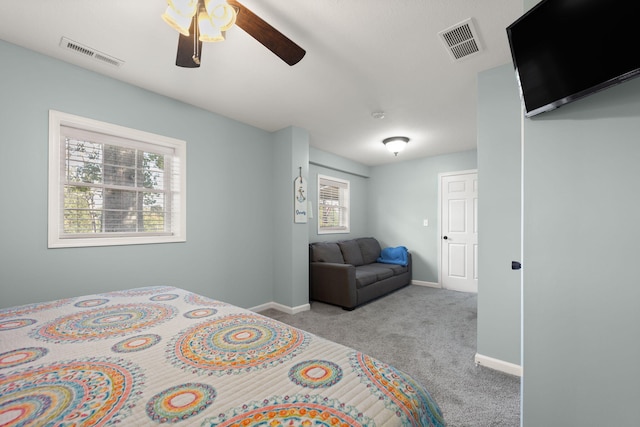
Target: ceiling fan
207,20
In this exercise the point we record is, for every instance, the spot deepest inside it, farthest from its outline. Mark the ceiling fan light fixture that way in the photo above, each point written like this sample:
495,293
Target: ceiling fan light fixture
213,18
221,14
395,144
184,7
208,32
177,20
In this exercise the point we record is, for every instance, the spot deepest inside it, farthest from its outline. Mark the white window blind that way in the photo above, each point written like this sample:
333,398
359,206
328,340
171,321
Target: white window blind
333,205
111,185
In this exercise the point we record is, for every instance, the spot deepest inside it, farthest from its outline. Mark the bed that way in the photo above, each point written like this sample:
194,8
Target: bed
163,355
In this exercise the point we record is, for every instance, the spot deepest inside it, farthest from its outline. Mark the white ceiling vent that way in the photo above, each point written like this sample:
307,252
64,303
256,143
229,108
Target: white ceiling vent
89,52
461,40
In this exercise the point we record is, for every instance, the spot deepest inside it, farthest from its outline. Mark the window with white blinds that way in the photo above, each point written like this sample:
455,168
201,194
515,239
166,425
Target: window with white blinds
333,205
110,185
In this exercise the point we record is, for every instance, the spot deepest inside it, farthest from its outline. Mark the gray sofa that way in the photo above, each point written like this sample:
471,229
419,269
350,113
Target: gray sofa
346,274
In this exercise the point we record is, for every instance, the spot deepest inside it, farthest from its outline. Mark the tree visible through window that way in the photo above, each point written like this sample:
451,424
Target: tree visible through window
333,205
114,185
113,189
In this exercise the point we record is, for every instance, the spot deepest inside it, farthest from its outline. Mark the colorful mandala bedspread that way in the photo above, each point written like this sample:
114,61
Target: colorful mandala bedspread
163,355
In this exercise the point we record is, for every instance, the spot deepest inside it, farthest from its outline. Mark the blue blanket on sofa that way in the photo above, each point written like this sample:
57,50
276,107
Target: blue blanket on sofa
398,255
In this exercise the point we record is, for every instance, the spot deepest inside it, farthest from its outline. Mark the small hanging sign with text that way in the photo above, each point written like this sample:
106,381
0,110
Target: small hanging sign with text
300,201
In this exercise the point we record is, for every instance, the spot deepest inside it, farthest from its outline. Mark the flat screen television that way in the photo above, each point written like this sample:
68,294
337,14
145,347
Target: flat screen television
564,50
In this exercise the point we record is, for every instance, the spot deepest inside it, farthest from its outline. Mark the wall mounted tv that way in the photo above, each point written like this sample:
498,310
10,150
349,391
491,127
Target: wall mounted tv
564,50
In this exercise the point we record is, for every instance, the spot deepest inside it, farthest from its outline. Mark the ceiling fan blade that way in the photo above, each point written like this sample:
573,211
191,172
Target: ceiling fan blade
270,38
189,48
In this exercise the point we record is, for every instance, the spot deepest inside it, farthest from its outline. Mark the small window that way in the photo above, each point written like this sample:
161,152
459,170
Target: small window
333,205
111,185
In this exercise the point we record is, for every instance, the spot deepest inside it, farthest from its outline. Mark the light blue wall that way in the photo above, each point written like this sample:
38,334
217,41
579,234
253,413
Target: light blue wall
291,272
233,169
580,243
390,202
499,214
230,178
581,290
405,193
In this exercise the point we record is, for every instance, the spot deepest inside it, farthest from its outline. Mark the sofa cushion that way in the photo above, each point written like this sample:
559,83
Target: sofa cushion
365,277
351,252
370,249
380,272
397,269
326,252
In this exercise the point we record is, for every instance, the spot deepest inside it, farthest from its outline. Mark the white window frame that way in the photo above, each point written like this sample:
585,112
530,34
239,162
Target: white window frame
344,203
177,230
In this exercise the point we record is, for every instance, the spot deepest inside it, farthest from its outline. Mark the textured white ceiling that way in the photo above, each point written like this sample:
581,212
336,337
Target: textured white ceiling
362,56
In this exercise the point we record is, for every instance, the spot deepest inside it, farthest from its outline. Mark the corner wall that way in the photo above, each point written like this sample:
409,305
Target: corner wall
390,202
499,215
290,244
581,290
402,195
229,177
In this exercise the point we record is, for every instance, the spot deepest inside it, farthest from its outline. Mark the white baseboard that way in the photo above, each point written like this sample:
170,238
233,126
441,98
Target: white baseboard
498,365
428,284
281,307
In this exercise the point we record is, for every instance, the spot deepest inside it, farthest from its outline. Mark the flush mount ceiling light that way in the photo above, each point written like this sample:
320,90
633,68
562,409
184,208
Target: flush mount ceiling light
395,144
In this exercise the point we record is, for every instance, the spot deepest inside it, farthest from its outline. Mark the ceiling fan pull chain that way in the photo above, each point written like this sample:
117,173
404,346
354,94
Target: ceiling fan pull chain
196,35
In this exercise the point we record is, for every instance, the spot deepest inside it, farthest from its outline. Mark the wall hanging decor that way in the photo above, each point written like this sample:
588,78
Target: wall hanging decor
300,199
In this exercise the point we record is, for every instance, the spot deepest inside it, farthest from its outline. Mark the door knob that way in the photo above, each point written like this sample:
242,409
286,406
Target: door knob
445,237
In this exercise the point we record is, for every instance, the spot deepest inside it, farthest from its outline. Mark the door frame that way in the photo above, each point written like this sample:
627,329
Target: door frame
440,176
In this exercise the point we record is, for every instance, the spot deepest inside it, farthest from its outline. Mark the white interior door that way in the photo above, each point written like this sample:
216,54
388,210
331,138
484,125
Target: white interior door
459,231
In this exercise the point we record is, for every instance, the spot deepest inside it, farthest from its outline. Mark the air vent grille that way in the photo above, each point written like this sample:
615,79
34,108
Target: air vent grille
87,51
461,40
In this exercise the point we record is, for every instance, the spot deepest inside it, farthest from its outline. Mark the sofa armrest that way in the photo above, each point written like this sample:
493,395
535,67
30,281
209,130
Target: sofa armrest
333,283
